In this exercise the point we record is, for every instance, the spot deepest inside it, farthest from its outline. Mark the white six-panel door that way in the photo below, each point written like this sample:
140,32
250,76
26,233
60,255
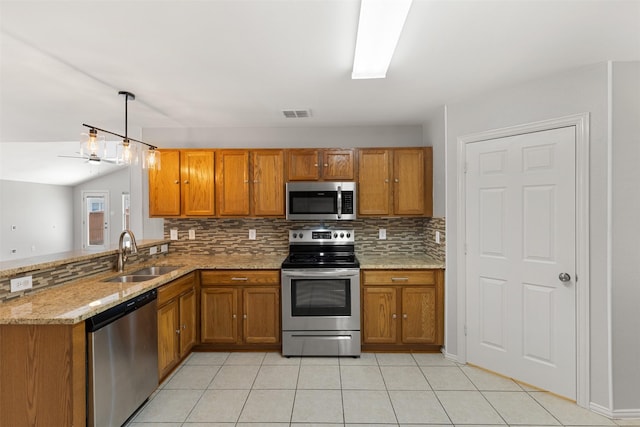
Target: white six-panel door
520,237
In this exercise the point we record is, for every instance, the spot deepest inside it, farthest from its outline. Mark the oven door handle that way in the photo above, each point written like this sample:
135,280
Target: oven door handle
334,273
339,202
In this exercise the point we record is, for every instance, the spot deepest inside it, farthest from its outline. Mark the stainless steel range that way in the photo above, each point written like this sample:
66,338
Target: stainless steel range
321,294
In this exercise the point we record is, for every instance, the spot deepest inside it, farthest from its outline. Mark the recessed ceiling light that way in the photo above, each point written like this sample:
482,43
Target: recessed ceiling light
379,29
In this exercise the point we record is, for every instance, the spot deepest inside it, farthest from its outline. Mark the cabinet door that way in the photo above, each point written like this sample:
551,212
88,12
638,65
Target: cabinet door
164,185
261,315
379,307
374,194
168,342
187,322
302,165
232,182
197,182
419,315
338,165
409,181
268,182
219,314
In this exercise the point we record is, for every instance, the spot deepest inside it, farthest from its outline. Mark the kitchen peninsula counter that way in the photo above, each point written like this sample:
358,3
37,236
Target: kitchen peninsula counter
77,300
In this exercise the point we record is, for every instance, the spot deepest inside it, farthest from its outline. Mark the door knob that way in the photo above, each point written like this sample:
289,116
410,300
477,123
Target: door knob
564,277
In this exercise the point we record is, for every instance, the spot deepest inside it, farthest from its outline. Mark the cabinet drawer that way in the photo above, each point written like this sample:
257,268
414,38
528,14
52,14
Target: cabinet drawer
399,277
240,277
172,289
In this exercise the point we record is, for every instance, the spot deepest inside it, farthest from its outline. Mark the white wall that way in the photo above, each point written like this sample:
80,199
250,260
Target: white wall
116,183
625,239
43,217
289,137
434,130
575,91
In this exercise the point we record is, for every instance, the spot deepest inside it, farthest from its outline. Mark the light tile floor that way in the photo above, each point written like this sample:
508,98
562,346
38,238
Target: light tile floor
383,389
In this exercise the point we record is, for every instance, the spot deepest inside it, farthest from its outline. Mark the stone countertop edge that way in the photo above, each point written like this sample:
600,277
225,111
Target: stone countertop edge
78,300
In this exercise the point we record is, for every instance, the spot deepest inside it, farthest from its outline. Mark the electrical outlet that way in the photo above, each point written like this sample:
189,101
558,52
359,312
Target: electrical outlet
437,237
153,250
173,234
164,248
252,234
382,234
192,234
21,283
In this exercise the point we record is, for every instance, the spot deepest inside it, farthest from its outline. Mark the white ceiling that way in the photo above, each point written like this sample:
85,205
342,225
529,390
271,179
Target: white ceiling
238,63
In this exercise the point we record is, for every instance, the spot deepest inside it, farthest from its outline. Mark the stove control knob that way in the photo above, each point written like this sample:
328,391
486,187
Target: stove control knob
341,235
348,235
295,235
335,235
300,235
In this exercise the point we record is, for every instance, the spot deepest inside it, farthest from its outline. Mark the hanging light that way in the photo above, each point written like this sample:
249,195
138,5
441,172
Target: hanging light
128,150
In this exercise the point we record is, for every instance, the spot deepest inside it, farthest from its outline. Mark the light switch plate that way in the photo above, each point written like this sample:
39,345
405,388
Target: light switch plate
252,234
174,234
192,234
438,237
382,234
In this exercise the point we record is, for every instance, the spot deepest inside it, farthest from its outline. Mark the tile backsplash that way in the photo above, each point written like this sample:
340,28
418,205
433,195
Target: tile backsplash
231,236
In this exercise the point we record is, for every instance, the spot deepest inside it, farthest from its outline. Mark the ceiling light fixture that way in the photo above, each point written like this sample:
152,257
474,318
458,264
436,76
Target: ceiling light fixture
379,29
127,153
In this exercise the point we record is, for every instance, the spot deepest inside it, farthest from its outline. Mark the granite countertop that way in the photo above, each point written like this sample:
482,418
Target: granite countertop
75,301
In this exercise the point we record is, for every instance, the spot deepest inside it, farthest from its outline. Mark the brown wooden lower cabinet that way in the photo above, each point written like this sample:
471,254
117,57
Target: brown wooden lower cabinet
177,322
240,309
402,310
43,375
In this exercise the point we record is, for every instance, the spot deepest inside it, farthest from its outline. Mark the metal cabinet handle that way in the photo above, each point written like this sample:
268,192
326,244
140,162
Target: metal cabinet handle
386,181
242,279
315,164
564,277
404,315
396,180
399,279
244,316
394,316
326,165
176,182
186,181
234,316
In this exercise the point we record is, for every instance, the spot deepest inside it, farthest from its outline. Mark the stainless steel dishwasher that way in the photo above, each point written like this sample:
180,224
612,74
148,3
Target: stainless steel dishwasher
122,353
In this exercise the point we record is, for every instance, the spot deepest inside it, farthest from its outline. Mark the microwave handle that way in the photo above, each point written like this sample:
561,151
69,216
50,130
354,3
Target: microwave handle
339,202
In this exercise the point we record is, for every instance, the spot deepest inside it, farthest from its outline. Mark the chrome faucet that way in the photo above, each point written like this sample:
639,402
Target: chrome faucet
125,251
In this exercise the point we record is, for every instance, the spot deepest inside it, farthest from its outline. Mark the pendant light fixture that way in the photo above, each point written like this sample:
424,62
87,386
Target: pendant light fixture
128,151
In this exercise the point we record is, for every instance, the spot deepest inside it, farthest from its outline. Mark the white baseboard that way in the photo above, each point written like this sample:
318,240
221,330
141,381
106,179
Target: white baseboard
615,414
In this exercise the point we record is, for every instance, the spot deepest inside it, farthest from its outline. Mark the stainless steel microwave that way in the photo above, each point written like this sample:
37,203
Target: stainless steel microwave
311,200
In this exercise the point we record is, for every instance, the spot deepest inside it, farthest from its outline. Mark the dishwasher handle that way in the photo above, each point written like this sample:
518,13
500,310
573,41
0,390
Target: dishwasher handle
101,320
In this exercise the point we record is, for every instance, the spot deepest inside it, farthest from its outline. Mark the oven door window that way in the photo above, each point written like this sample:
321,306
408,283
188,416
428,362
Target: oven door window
313,202
320,297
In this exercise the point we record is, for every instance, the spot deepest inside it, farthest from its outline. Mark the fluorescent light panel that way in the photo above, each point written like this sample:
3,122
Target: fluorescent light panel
379,29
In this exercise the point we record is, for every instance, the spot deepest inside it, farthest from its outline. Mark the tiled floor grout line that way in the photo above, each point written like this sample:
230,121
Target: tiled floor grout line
386,388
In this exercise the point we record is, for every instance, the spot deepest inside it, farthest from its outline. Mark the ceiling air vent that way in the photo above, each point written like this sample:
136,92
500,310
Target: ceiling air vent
296,114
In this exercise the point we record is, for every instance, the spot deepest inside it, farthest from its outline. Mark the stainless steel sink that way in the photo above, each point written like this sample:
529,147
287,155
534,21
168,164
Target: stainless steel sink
144,274
154,271
132,278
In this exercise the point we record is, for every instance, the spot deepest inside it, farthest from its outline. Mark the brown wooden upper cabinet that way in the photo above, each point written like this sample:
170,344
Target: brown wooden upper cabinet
250,183
395,181
320,165
183,184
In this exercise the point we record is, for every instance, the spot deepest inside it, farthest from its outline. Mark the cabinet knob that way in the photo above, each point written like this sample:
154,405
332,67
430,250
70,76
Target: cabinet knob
256,182
186,181
394,316
244,316
178,331
396,180
176,182
386,181
404,316
234,316
315,164
326,165
184,326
